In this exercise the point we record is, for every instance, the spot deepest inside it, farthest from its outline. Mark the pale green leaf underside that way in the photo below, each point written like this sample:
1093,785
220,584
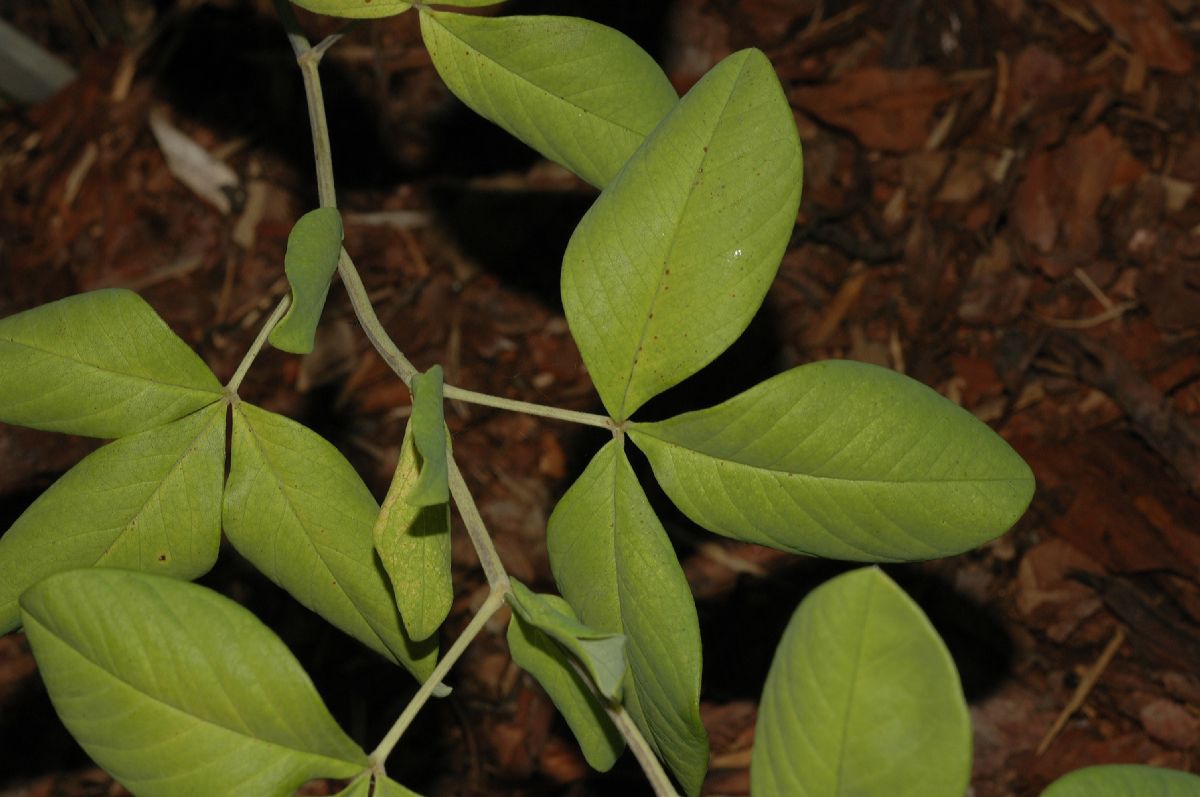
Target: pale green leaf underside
359,788
390,788
843,460
313,247
385,787
101,364
668,267
178,691
370,9
581,94
1124,780
615,566
430,436
541,656
355,9
413,543
149,502
297,510
601,653
862,699
467,3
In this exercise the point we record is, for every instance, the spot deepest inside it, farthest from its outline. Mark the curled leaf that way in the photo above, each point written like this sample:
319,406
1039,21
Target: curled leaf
542,631
313,247
430,436
601,653
615,566
297,510
414,545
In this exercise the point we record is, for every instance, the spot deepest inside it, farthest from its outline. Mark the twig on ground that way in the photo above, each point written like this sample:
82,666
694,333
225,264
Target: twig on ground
1084,689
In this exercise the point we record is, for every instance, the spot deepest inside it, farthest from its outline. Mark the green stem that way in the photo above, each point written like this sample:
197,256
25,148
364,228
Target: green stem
396,360
291,25
235,381
309,59
489,558
320,129
318,50
585,418
659,780
495,600
485,549
370,323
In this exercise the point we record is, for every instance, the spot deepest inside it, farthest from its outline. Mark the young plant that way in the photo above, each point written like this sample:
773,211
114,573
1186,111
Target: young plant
178,691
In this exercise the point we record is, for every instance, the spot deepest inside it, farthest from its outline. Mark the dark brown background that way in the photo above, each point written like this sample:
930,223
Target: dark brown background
1000,201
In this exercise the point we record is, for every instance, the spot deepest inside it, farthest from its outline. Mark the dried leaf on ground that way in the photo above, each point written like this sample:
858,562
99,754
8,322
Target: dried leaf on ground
885,109
1057,201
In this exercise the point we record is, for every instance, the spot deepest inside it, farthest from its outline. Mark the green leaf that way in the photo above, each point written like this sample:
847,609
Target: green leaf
382,788
370,9
390,788
542,655
843,460
616,568
1124,780
430,435
355,9
359,788
300,513
414,545
101,364
150,502
467,3
177,690
601,653
581,94
671,263
862,699
312,256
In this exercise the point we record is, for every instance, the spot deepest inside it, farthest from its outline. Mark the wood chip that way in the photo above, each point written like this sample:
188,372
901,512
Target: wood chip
78,173
841,303
192,165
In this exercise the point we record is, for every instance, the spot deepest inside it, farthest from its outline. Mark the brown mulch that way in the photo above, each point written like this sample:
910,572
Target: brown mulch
1000,201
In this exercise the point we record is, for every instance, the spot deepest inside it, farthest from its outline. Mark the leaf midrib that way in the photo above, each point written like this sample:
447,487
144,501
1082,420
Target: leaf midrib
188,450
280,486
171,707
122,374
433,16
630,696
666,259
858,654
814,477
